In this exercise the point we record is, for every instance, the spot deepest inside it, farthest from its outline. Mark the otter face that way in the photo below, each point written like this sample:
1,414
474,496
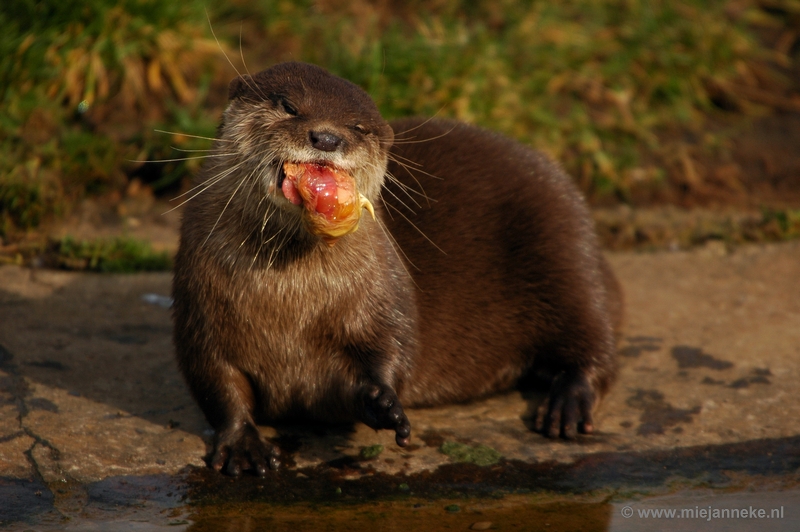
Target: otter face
300,114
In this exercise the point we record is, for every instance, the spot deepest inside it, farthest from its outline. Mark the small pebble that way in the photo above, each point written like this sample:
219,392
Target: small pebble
158,300
481,525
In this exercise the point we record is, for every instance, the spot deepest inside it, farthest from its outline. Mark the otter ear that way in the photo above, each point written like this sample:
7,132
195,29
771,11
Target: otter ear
386,135
238,85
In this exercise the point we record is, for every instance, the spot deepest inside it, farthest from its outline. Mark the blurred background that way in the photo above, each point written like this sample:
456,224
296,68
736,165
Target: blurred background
679,119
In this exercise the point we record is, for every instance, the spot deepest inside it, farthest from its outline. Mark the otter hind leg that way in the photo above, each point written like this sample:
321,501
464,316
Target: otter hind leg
577,371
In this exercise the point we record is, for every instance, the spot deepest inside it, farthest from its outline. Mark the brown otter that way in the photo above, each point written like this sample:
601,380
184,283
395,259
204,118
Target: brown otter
479,268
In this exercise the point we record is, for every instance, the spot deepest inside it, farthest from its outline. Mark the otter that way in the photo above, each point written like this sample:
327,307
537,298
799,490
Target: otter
336,267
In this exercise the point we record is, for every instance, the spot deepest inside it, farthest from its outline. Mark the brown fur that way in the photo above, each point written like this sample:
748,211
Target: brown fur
272,323
518,277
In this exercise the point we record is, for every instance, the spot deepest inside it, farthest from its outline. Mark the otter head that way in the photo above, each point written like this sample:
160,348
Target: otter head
316,143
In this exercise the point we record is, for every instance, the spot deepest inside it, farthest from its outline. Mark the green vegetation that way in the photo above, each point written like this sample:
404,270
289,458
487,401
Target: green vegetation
82,86
611,88
117,255
655,229
592,82
779,224
373,451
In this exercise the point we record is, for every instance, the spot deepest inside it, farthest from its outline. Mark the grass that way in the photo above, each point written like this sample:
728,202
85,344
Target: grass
115,255
651,230
82,85
611,88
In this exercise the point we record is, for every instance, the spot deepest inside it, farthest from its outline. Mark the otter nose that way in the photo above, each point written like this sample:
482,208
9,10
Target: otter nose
324,141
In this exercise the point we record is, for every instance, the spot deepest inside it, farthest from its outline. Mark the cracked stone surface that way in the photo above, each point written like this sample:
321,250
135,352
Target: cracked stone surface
89,390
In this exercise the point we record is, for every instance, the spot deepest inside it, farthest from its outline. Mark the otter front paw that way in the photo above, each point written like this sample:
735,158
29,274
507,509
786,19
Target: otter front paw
568,407
242,449
381,409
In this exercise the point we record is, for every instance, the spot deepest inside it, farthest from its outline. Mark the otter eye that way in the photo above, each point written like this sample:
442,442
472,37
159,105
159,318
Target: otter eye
361,129
288,108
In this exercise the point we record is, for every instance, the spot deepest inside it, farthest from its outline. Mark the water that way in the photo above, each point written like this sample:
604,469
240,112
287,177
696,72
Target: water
684,489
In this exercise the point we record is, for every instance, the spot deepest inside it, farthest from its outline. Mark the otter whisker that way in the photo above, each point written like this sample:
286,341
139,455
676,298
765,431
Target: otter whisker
211,181
398,250
183,150
190,136
221,49
401,202
241,51
408,167
405,188
244,209
386,210
421,124
400,142
399,183
223,210
397,158
409,189
268,212
415,227
205,185
287,234
179,159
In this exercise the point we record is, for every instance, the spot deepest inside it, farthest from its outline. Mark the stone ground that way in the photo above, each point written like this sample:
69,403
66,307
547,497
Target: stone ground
97,425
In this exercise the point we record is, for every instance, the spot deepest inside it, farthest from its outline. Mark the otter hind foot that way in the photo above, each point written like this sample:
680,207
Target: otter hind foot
567,410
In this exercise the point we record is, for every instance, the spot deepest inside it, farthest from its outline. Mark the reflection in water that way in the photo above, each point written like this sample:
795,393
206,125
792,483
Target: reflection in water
509,513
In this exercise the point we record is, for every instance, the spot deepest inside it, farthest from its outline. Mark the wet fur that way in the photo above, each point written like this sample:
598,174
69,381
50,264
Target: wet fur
271,323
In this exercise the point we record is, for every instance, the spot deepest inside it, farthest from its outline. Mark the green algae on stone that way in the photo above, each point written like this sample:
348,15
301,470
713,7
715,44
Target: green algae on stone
479,454
372,451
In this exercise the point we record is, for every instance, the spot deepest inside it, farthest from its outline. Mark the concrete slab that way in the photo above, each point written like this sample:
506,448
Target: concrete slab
89,390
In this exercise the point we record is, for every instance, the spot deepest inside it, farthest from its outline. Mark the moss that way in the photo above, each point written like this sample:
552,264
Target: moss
479,454
373,451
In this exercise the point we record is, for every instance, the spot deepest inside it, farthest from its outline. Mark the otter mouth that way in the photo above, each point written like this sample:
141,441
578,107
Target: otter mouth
331,203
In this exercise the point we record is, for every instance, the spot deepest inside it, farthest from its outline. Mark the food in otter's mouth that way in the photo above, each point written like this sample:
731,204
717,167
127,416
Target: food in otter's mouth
332,203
